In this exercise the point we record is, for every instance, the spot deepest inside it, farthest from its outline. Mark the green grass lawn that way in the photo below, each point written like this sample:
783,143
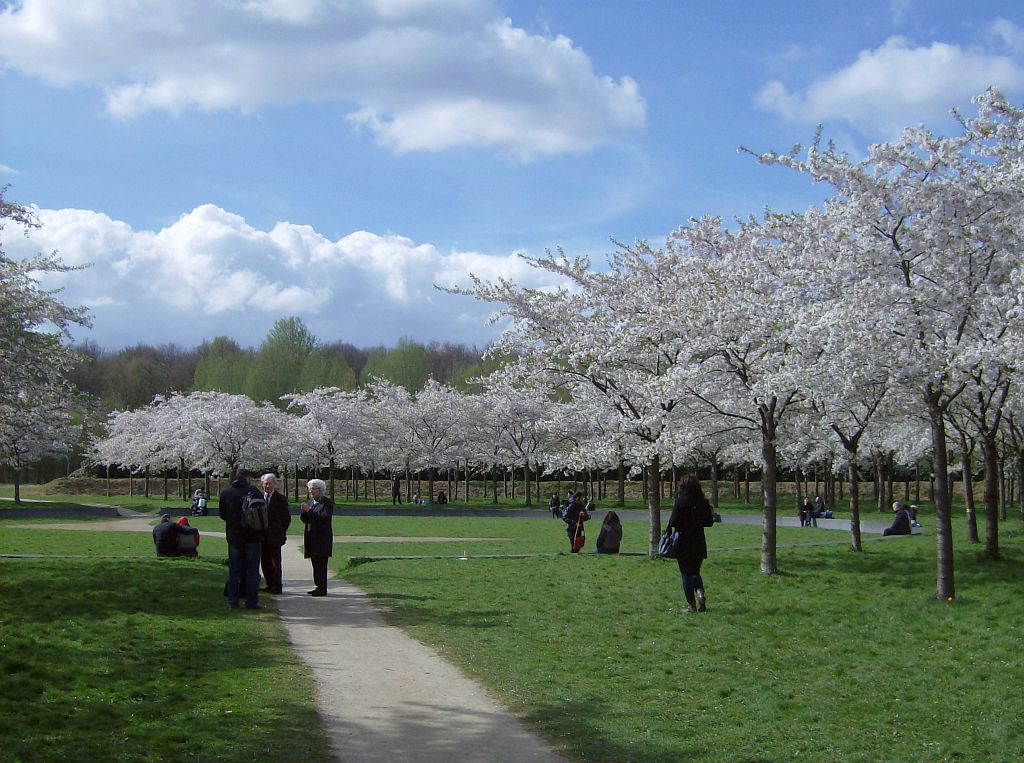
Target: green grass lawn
140,659
842,656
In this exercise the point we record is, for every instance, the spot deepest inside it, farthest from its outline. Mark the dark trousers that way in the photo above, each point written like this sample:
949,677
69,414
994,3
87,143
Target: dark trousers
320,571
690,570
244,564
270,559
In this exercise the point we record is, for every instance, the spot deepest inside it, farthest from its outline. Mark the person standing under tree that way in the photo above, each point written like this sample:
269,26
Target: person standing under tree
244,544
318,537
396,490
575,515
276,535
690,515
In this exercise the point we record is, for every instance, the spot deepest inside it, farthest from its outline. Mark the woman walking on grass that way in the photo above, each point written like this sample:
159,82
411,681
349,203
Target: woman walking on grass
690,515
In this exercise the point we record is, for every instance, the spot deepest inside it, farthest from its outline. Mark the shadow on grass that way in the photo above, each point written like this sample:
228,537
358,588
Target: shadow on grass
143,661
593,721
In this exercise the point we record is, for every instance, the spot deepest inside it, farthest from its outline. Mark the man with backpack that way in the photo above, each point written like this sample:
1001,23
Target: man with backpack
241,506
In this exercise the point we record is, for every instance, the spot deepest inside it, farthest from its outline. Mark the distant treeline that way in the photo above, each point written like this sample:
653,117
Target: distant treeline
290,359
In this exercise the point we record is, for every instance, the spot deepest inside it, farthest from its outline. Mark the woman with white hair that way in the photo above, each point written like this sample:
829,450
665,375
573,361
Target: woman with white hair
318,537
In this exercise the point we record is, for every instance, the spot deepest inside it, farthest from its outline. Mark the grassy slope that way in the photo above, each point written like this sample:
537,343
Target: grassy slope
841,657
139,659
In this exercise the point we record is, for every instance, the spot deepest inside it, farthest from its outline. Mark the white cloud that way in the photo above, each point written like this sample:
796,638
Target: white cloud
898,10
422,74
6,170
896,85
211,273
1008,35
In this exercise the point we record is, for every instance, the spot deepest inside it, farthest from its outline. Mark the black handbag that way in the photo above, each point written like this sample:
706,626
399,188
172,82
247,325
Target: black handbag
668,546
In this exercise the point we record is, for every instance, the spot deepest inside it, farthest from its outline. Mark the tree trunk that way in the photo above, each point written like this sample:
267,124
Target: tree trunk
880,483
1005,489
945,589
736,482
855,539
165,485
769,497
714,479
17,484
527,485
990,455
917,482
654,504
1020,485
799,490
430,484
746,483
494,482
107,488
889,469
145,482
968,481
467,480
330,478
408,482
622,490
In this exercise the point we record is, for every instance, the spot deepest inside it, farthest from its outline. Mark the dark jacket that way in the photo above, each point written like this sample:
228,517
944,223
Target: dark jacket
318,537
900,523
572,517
280,517
231,511
165,537
610,537
690,516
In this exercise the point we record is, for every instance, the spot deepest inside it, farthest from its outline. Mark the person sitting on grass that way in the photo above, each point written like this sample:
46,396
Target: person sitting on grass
442,498
166,534
900,522
913,516
188,545
610,537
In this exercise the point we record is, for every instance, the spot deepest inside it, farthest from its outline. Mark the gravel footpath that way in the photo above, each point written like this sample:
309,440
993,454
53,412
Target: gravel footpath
384,695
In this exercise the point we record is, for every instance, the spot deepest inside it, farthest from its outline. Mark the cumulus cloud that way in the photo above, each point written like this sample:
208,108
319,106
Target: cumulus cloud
896,85
422,75
210,273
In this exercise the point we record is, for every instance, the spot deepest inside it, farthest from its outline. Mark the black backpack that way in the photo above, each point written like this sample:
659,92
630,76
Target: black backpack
255,513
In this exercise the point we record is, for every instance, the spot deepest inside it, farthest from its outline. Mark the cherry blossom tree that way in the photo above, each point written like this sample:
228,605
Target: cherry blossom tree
35,396
934,224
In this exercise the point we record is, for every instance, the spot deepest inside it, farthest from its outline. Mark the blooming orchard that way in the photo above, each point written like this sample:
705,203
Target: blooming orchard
884,327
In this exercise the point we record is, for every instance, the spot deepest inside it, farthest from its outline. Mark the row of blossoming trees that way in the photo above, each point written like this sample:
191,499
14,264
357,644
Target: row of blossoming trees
886,321
893,308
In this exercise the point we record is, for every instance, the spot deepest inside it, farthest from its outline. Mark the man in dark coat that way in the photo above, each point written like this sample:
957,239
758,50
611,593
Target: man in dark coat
244,544
166,534
280,516
396,490
900,522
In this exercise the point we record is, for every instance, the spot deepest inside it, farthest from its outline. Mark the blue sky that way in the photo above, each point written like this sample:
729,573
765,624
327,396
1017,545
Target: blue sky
224,163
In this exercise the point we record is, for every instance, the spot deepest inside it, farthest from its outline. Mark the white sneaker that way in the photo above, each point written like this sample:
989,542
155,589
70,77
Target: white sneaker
701,602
